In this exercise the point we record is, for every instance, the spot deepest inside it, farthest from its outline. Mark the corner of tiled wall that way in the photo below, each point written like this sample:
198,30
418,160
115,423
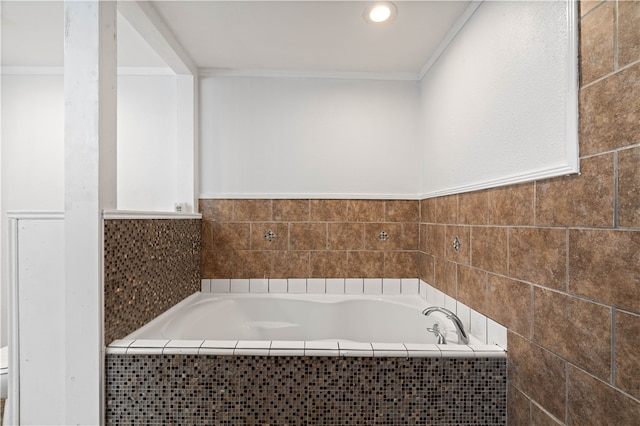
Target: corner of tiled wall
557,261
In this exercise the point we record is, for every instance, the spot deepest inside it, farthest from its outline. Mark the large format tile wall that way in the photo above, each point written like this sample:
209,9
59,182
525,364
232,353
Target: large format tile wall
558,261
313,238
149,266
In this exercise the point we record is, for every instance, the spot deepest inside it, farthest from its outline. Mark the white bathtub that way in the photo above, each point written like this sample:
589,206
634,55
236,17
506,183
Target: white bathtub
300,324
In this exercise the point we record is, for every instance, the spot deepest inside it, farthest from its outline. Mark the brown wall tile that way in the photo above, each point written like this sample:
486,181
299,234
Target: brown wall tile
627,361
609,111
280,242
426,268
592,402
401,211
400,264
216,210
597,45
587,5
291,210
509,303
365,264
219,264
511,205
289,264
489,248
253,263
308,236
230,235
422,244
605,265
373,242
579,200
518,408
445,277
410,236
628,24
329,210
463,233
472,288
629,187
538,373
435,240
345,236
446,209
428,210
577,330
207,235
365,211
539,255
539,417
328,264
254,210
473,208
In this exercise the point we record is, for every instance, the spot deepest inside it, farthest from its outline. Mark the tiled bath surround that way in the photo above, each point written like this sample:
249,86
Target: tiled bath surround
296,391
480,326
312,238
557,261
149,266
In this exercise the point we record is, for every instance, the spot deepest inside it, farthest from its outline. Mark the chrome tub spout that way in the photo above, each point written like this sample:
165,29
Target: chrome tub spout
463,337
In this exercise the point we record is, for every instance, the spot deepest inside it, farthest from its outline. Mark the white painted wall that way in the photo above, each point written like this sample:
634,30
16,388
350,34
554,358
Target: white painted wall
32,164
32,154
308,137
147,150
499,105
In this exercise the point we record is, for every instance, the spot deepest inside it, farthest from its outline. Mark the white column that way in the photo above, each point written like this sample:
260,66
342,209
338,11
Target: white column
186,142
90,186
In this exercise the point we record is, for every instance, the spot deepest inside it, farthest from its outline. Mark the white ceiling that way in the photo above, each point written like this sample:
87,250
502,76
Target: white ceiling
325,36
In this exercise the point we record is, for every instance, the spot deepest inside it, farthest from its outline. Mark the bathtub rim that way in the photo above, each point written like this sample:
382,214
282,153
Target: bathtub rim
133,346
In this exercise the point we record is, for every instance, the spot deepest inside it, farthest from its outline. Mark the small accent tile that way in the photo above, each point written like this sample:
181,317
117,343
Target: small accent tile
456,351
219,344
478,326
353,286
316,285
496,334
121,343
423,350
297,285
258,285
391,286
389,350
335,285
149,343
220,285
410,285
240,285
372,286
278,285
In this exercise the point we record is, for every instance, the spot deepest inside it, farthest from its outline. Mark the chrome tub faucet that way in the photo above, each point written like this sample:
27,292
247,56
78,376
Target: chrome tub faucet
463,337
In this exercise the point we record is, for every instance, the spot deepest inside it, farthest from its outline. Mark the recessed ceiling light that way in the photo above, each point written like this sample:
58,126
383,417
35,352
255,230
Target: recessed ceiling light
380,12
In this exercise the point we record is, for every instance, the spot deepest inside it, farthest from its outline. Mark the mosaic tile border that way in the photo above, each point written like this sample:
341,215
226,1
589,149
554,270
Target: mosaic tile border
255,390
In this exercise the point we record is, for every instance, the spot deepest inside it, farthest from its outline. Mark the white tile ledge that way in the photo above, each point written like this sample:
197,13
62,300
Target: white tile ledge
130,214
301,348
